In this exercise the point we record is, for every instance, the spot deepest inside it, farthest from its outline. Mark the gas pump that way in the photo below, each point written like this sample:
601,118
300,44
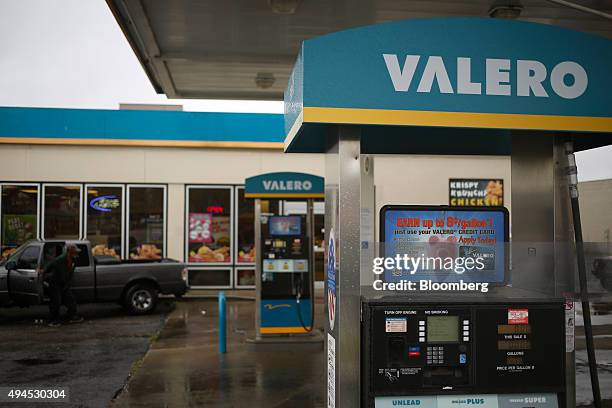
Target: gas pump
499,337
479,344
284,252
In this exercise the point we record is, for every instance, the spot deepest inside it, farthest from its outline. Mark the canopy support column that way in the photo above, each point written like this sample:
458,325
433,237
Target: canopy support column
342,230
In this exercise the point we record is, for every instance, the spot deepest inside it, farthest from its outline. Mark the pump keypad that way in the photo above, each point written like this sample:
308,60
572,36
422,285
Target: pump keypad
435,355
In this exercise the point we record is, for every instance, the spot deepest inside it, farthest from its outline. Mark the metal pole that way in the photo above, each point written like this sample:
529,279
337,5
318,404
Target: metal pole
342,216
310,283
582,8
222,323
258,262
584,292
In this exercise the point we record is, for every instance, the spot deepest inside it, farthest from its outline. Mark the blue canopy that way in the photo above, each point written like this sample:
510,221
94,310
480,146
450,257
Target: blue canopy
452,85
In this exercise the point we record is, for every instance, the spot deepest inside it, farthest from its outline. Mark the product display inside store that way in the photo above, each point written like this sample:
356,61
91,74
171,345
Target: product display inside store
62,211
146,228
19,216
209,229
105,219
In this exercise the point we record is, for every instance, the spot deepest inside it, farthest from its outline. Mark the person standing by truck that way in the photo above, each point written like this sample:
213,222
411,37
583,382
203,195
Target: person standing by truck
58,274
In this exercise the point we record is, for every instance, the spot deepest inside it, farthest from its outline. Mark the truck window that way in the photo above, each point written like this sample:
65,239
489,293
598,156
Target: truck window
29,258
83,258
51,251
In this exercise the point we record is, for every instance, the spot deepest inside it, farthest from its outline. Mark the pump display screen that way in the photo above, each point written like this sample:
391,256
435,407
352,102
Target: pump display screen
285,225
445,244
442,329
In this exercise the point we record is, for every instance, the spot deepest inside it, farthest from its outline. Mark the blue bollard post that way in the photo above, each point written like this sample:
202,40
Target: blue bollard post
222,324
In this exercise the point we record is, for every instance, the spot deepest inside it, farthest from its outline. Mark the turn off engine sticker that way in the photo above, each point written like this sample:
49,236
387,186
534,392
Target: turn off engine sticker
331,279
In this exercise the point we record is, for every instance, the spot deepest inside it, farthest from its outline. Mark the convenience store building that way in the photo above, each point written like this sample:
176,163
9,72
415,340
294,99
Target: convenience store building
132,180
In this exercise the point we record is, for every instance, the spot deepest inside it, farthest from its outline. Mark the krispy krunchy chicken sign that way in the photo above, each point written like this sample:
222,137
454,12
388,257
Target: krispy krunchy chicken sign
476,192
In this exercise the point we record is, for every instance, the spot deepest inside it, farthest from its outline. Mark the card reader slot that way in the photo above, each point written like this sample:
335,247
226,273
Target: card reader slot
437,376
396,349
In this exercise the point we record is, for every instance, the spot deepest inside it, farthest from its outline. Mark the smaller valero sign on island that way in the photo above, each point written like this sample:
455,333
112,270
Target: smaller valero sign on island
284,185
476,192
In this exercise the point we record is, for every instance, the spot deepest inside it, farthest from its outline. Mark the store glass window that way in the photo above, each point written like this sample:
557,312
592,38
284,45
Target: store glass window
29,258
19,216
319,223
245,252
300,208
319,239
245,277
62,211
209,226
105,219
146,222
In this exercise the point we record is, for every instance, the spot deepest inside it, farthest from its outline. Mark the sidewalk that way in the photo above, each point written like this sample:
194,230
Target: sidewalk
184,368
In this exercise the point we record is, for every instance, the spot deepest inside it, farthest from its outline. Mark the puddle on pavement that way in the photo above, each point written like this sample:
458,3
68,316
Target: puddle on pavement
37,361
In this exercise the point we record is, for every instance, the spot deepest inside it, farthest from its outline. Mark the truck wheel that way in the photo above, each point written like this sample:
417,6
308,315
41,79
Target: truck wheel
140,299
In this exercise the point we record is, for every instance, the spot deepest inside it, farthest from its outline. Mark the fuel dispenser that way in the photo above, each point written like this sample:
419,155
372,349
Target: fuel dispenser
422,350
499,337
284,252
480,342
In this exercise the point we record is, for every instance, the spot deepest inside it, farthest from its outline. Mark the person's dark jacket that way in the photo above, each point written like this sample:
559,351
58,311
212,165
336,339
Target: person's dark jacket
59,272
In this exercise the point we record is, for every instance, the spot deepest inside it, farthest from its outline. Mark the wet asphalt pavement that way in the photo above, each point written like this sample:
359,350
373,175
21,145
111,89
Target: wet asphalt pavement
182,366
93,359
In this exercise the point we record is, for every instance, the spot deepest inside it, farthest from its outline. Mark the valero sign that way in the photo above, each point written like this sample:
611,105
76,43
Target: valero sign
473,73
567,80
284,185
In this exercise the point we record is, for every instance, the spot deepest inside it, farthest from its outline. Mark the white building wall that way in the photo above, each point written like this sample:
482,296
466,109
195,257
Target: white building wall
596,211
419,179
176,220
146,165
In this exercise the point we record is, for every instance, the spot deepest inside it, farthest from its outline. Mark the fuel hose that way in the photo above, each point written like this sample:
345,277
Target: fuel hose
298,296
572,173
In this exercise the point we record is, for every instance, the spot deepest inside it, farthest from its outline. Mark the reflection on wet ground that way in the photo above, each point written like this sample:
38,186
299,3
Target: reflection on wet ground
184,368
602,332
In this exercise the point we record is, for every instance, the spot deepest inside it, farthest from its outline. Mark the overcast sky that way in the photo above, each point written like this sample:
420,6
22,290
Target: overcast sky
72,54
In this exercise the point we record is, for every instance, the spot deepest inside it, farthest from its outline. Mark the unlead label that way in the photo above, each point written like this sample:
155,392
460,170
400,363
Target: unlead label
415,402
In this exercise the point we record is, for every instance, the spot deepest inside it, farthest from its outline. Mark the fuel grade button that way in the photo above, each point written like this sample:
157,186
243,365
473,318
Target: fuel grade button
544,400
411,401
468,401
